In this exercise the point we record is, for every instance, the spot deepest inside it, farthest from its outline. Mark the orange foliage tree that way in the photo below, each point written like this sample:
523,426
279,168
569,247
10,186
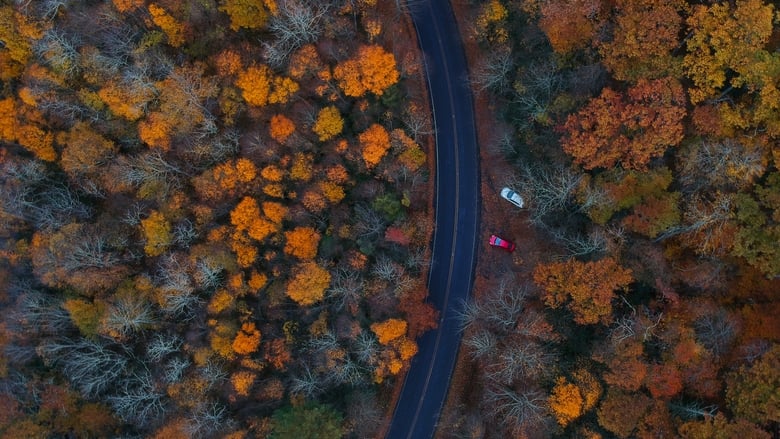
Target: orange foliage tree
372,70
155,131
587,287
8,124
302,242
246,216
247,339
308,283
375,141
329,123
225,180
645,35
281,128
569,24
611,129
389,330
566,401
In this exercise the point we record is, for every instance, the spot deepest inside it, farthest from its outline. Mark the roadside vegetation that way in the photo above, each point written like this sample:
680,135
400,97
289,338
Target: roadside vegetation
214,217
643,136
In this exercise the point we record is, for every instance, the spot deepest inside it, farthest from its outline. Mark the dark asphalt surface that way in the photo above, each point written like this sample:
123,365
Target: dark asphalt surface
457,217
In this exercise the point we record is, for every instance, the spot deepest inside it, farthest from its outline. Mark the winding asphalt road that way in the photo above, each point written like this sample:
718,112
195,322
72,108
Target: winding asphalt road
457,218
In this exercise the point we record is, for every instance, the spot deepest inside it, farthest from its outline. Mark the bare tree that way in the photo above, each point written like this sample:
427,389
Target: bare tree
213,373
179,296
306,383
691,410
706,219
549,190
578,244
128,316
149,169
184,233
481,343
724,165
369,223
296,23
417,123
161,346
366,348
138,400
90,366
346,289
525,359
90,251
516,409
503,307
386,269
59,52
39,312
208,274
716,331
174,370
493,71
207,418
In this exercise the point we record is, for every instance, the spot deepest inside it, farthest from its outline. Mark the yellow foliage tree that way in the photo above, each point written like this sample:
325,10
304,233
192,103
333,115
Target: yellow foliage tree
375,141
85,150
221,300
242,382
17,34
302,242
255,84
157,232
247,339
565,402
283,88
411,156
329,123
308,283
281,128
248,14
37,141
85,315
127,5
173,29
332,191
302,167
221,338
304,61
491,22
389,330
260,87
272,173
127,100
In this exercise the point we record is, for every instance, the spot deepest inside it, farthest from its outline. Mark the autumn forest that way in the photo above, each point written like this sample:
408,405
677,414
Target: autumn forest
215,218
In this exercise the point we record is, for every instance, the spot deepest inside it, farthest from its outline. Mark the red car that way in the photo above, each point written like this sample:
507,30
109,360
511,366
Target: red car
497,241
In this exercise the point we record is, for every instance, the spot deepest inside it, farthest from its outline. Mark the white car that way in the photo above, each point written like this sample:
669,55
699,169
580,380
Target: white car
512,196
